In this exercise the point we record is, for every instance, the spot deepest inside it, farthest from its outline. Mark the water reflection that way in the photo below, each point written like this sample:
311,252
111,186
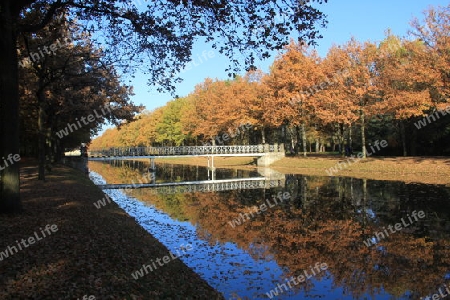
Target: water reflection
327,219
126,171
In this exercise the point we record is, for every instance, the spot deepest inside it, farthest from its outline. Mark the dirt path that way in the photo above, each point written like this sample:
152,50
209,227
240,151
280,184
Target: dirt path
79,250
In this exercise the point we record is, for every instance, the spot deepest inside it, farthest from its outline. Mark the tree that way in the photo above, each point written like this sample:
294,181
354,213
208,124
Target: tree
68,86
405,80
360,82
434,32
170,128
333,105
164,34
208,110
217,106
252,104
293,80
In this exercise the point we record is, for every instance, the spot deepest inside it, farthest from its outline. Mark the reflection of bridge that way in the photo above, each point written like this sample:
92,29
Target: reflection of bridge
267,153
202,186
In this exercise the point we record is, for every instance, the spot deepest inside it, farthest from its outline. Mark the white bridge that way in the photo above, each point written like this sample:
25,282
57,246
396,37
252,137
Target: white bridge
203,185
266,154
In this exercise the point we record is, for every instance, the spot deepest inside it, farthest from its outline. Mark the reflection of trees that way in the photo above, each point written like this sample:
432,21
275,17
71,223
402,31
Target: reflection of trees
125,171
121,171
130,171
327,220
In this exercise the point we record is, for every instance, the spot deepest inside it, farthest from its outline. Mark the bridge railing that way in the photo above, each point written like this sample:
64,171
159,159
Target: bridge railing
200,187
187,150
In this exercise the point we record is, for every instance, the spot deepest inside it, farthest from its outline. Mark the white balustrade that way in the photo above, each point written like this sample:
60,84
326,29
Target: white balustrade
186,150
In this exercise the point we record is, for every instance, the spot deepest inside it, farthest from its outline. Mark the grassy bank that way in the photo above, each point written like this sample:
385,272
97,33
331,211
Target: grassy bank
92,252
430,170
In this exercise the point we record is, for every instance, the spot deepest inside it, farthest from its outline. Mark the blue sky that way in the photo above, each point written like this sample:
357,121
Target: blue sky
365,20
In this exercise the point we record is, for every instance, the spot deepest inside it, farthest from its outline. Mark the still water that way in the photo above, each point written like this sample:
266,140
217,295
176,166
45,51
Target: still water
329,238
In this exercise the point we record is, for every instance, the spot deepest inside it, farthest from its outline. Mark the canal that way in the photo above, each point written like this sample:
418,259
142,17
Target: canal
308,237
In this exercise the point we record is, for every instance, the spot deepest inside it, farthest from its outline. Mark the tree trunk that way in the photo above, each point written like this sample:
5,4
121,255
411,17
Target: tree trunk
303,139
304,192
58,150
413,143
363,134
341,139
284,134
403,135
350,140
9,110
293,135
263,135
291,149
42,136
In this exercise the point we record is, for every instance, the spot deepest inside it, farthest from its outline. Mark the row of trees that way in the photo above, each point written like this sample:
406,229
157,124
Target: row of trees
156,37
369,90
62,86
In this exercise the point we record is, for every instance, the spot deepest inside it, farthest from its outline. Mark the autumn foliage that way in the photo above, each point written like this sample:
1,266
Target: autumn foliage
359,92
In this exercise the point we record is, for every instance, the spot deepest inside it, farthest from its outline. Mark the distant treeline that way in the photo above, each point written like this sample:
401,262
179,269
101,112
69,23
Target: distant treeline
396,90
